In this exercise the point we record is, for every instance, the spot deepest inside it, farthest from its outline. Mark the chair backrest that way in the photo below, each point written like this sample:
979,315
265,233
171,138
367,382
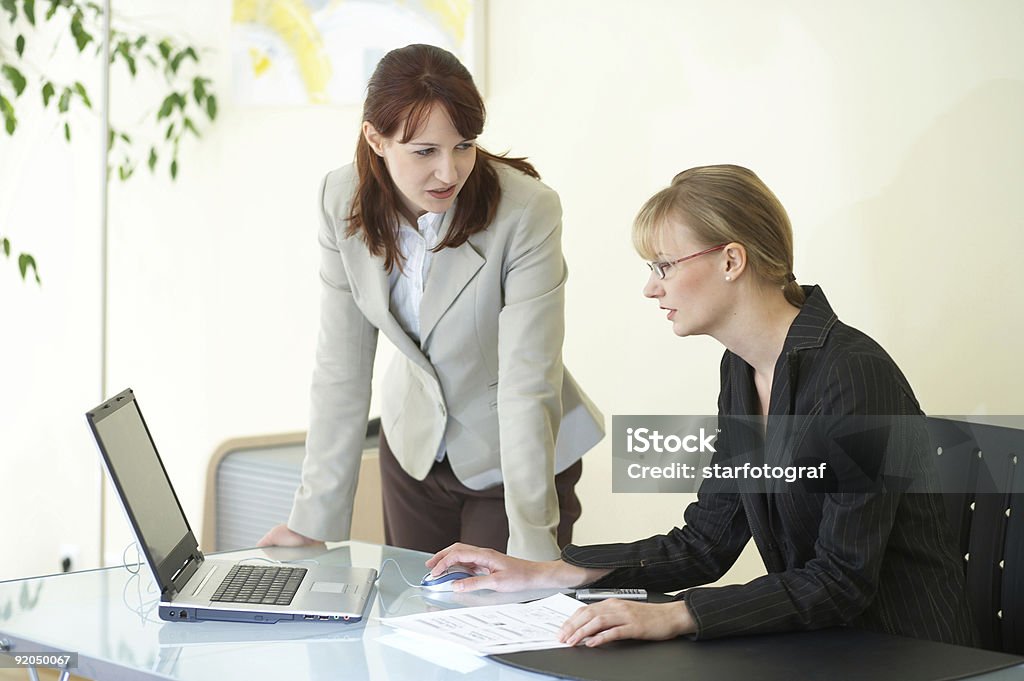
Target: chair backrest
251,481
984,464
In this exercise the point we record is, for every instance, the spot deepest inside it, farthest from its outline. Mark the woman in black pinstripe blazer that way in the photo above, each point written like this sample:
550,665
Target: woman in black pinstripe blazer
885,561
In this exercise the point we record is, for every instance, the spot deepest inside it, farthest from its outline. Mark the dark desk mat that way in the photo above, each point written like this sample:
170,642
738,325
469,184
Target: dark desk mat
828,655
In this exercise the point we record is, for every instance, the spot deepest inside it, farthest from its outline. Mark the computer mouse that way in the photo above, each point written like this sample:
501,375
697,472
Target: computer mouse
446,580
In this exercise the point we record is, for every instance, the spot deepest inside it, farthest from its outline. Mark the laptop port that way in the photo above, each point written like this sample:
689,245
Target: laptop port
182,615
309,617
173,613
324,618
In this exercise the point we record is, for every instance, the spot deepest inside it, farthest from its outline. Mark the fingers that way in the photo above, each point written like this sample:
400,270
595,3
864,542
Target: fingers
271,537
590,630
437,557
616,619
282,535
600,623
466,555
476,584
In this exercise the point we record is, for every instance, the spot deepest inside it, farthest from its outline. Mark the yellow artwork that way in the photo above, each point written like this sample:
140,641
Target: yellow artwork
289,52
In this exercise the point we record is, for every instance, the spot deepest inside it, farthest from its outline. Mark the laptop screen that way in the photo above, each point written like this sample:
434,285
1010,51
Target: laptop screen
140,477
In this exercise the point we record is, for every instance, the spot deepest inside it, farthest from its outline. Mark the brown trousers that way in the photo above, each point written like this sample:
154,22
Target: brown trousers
440,510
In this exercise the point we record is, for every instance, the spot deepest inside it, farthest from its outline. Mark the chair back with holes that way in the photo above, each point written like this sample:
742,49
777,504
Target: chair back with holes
984,466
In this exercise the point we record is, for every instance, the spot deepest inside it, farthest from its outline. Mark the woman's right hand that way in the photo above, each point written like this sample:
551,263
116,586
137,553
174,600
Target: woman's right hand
281,535
505,573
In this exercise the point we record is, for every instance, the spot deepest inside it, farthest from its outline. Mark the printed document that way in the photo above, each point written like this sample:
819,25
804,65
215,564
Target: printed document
492,629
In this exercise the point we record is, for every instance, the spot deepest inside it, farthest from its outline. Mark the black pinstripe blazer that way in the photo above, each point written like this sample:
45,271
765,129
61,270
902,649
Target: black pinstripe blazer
881,561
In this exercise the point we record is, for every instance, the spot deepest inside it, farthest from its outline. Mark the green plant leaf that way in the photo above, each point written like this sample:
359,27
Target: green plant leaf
152,159
125,137
19,45
25,261
7,247
170,131
54,4
191,128
80,89
10,120
198,90
180,57
47,93
110,138
165,49
67,131
174,169
211,107
130,60
11,7
17,80
82,37
30,11
140,41
166,107
65,100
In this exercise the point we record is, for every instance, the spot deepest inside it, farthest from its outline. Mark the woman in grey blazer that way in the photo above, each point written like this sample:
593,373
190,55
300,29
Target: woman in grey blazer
454,254
835,554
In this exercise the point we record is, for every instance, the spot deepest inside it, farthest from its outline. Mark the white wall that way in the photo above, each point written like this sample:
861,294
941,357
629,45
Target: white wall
49,333
889,130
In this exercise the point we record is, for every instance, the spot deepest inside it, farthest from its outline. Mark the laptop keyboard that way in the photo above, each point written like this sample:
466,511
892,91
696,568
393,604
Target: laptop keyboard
258,584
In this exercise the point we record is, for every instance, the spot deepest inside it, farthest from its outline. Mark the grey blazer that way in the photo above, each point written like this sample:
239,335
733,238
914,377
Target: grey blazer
487,375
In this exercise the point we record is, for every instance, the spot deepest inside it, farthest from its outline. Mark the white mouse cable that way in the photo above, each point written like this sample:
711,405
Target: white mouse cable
402,574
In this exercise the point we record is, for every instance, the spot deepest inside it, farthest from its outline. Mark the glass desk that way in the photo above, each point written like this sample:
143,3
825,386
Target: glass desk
109,618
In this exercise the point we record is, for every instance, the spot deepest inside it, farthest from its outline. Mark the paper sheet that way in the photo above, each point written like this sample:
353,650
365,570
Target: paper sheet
496,628
442,653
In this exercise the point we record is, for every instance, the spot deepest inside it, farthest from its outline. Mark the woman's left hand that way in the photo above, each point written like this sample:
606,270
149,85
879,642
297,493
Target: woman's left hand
616,619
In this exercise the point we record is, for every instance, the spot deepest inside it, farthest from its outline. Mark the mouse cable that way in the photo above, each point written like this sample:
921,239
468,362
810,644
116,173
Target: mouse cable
399,568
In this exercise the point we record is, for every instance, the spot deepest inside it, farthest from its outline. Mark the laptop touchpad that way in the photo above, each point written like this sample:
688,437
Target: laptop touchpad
330,587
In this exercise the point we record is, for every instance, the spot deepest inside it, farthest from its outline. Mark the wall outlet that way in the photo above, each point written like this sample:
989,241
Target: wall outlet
68,557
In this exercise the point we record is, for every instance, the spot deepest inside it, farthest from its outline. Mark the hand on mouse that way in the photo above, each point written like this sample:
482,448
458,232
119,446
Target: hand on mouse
505,573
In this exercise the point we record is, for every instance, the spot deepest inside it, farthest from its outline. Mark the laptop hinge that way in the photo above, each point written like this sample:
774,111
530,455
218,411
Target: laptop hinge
193,561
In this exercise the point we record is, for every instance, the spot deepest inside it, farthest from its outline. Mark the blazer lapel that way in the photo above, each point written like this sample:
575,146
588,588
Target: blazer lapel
450,272
367,275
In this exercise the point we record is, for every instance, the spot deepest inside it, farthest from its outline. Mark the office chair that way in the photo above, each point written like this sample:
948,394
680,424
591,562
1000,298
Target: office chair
251,481
987,463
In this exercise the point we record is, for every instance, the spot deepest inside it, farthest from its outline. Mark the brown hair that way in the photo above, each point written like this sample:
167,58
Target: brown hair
405,85
722,204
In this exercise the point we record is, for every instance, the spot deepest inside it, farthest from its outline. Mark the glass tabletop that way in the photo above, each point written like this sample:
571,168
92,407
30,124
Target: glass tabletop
109,617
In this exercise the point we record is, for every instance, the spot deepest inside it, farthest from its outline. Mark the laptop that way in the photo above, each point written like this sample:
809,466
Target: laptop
193,588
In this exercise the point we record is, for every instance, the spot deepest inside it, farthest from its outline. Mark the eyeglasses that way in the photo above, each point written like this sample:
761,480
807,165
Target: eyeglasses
662,268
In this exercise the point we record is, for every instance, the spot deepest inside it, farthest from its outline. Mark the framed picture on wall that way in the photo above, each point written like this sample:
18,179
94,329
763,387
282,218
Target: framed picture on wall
300,52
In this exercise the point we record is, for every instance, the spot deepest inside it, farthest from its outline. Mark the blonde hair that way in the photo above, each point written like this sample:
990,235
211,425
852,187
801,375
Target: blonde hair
721,204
